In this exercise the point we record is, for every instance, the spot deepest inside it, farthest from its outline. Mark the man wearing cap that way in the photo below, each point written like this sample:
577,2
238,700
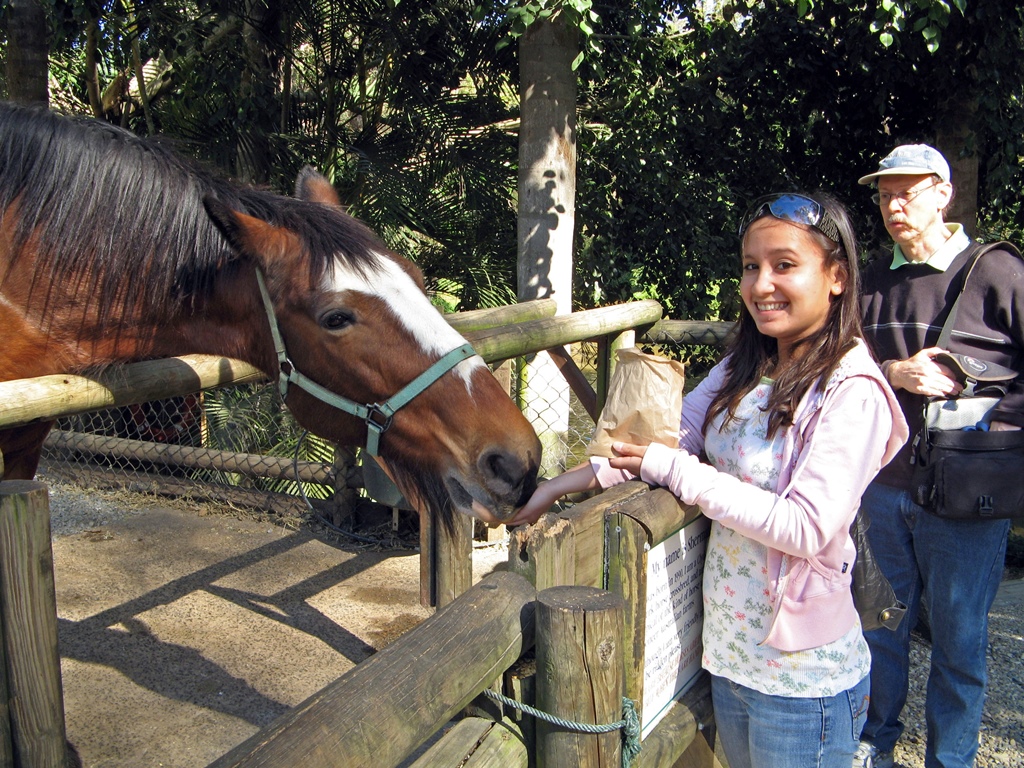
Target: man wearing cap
953,566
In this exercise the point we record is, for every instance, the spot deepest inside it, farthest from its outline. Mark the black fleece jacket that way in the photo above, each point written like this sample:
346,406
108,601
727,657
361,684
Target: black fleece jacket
903,312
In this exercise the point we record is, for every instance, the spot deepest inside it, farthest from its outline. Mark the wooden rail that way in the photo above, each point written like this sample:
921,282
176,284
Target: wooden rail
49,397
251,464
386,706
538,335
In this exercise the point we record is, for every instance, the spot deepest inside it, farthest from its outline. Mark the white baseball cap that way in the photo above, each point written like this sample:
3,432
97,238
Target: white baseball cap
910,160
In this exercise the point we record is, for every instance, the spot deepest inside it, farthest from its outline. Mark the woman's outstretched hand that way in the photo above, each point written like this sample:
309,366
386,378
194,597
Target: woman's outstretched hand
541,501
578,479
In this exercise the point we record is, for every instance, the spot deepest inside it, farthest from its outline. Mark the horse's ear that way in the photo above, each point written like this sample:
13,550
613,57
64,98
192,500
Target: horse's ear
247,235
313,187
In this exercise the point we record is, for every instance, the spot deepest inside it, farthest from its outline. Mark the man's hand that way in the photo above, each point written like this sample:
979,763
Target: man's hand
923,376
1002,426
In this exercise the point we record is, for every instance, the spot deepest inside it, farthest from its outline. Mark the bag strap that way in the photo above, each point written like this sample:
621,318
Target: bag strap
947,327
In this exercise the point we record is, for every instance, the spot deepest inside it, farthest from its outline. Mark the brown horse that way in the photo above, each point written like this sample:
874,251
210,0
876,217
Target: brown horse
114,249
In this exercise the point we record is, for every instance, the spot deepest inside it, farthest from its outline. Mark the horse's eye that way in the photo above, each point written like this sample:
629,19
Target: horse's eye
337,319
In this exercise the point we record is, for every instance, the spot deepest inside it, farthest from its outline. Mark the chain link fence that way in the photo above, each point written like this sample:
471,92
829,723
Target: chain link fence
241,446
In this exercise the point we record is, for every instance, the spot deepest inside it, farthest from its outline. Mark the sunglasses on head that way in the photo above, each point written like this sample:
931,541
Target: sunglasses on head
793,208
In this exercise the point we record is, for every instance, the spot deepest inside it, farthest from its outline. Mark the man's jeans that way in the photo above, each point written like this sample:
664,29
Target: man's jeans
762,731
954,567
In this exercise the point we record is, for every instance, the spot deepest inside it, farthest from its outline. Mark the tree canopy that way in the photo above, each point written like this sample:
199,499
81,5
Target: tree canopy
686,111
693,120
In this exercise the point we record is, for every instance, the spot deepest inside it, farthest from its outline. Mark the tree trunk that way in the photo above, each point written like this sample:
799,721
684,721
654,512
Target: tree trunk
27,53
547,198
547,162
261,32
955,138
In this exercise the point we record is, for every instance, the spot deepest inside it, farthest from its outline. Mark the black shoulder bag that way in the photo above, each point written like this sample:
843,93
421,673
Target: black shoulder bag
961,469
873,597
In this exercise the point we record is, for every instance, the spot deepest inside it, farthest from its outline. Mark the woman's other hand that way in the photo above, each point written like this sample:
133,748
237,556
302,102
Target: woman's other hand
629,457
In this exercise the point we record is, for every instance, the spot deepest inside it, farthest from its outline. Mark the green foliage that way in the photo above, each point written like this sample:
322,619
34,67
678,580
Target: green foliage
521,14
253,420
695,119
685,116
654,217
407,107
892,19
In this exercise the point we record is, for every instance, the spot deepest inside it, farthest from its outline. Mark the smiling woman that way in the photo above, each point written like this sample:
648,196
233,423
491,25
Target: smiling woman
794,423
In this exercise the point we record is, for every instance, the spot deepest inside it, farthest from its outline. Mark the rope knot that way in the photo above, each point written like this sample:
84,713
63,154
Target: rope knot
629,724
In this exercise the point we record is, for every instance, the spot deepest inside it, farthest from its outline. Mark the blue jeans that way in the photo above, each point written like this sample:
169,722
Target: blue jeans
955,567
762,731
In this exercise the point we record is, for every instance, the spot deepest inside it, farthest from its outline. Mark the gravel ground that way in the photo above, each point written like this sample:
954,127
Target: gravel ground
1002,737
1002,734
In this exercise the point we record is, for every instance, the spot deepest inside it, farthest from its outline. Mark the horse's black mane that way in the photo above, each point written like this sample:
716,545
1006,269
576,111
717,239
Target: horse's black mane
129,213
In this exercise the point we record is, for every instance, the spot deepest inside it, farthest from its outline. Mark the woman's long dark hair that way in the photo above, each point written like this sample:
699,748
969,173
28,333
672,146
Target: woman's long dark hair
752,355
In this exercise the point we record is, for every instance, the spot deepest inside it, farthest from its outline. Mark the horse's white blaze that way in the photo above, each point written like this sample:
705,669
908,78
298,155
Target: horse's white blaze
392,284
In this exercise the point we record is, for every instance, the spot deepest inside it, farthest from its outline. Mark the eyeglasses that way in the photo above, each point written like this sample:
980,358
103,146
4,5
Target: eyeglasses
793,208
902,198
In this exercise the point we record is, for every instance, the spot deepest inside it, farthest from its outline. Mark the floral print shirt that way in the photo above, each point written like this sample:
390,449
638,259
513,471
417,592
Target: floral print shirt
737,602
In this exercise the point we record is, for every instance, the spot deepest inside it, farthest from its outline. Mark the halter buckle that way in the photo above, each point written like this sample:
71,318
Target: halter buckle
379,417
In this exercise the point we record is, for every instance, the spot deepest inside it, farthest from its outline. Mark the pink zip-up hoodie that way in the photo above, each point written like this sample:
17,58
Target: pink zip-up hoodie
839,440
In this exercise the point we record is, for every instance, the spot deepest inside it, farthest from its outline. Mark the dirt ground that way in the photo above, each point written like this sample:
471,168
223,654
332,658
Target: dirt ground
182,632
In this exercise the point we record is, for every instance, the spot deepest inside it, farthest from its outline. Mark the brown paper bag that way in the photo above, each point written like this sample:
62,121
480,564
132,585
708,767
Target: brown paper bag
645,399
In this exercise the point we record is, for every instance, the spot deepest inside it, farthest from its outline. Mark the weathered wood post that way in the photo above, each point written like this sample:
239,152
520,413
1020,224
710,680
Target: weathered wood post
607,346
656,551
453,563
6,748
579,675
28,621
345,494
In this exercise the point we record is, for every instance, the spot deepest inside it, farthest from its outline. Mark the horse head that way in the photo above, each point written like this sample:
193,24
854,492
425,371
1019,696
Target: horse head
363,358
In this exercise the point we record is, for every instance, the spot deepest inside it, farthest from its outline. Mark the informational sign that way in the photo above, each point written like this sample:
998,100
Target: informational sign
675,617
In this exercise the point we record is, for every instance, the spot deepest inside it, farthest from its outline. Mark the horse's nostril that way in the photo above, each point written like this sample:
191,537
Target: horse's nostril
496,468
508,476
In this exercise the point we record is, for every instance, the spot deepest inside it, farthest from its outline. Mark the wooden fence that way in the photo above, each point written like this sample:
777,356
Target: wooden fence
425,678
589,643
497,335
565,629
31,697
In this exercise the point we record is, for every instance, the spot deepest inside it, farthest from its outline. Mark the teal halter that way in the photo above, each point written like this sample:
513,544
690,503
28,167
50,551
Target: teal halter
378,416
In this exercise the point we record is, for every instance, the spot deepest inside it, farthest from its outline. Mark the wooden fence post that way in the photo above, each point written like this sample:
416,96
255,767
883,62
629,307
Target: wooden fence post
684,734
28,618
6,748
453,560
607,346
345,495
579,675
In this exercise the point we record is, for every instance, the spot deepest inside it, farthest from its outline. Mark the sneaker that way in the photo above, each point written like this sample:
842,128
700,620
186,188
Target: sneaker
868,756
